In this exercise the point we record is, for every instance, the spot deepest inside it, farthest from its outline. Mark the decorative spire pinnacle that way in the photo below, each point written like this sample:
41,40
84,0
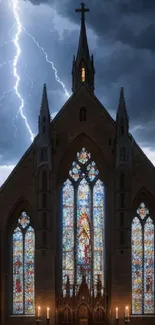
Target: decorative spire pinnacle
121,107
122,116
83,66
44,102
44,117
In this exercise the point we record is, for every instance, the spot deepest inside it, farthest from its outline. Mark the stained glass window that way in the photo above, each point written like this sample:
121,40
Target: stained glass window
83,256
68,233
143,262
23,267
83,223
98,222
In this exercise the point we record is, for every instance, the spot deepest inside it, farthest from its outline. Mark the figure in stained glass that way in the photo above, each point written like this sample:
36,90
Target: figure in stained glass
83,239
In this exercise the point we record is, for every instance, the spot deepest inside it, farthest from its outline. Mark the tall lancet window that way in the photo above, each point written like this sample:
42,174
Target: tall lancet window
83,223
83,74
23,267
143,268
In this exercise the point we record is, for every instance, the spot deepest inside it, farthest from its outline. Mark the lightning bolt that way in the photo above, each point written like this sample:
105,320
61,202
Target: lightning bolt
15,9
15,41
50,62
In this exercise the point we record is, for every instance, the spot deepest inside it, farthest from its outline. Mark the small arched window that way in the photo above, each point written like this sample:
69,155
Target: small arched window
82,115
121,219
122,129
44,180
44,129
44,154
122,180
44,201
122,200
44,238
44,220
83,75
122,154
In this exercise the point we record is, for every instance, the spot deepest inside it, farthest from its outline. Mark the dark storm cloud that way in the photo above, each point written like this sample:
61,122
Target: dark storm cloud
123,51
107,19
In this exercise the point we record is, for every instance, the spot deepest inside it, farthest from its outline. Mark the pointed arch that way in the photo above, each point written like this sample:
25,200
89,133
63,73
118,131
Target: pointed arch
123,153
23,270
99,315
83,311
82,140
67,315
122,180
20,205
137,268
149,267
143,266
83,214
144,195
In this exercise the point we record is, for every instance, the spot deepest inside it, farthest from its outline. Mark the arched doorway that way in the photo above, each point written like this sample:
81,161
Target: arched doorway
66,316
83,315
99,317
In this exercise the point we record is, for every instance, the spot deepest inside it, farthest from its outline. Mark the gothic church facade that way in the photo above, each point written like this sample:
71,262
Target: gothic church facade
77,216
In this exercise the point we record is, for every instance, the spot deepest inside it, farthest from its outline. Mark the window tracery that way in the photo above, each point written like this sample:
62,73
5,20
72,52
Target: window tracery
83,223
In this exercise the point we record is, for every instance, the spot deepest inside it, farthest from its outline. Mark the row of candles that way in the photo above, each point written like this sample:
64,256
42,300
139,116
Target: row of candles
47,314
126,312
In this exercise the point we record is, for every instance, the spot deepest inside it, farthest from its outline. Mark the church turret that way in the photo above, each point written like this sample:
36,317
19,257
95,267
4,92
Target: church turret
123,172
44,150
123,154
43,155
83,64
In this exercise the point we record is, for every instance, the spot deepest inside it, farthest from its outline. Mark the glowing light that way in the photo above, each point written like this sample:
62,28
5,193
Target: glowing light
15,61
50,62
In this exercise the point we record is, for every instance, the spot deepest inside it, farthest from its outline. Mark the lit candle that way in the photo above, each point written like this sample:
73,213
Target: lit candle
116,312
38,311
127,312
48,313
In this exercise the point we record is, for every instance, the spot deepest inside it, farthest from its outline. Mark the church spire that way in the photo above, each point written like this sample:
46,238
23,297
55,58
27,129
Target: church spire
122,119
83,65
44,117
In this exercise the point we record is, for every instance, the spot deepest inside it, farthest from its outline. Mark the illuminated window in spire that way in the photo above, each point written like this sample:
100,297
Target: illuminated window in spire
23,267
83,74
83,223
143,267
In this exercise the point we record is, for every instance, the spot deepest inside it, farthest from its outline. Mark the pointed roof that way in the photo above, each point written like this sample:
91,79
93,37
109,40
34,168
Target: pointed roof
44,103
122,112
83,50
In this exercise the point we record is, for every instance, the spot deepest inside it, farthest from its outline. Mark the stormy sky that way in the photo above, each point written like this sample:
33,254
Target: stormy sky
121,35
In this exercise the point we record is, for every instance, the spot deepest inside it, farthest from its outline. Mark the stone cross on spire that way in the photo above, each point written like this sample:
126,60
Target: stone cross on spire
82,10
83,65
